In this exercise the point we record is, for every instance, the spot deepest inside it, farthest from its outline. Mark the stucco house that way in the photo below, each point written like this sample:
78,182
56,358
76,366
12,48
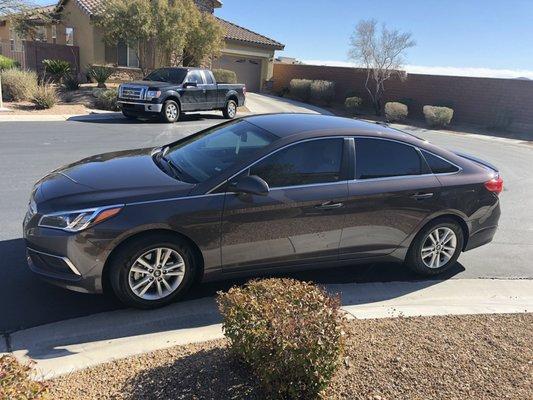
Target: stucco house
249,54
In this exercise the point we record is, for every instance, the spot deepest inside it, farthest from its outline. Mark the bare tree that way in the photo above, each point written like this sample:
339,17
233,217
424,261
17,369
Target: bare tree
381,53
13,6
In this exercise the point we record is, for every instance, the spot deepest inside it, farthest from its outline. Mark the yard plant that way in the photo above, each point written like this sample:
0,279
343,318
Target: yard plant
18,85
225,76
45,96
100,74
57,70
438,117
395,111
15,382
352,104
300,89
107,100
289,333
7,63
322,91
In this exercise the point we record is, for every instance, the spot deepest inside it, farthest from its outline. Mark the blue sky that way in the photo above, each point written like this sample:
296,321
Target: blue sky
475,35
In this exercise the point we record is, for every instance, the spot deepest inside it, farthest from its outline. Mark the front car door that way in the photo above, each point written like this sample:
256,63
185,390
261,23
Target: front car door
300,220
393,192
194,98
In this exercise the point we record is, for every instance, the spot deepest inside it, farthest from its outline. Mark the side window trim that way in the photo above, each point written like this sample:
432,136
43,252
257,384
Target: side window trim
247,168
418,150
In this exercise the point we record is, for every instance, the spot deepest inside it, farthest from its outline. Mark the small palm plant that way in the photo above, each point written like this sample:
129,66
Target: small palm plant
100,74
56,69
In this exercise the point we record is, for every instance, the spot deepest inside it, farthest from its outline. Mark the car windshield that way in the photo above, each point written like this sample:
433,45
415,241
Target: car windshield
173,75
211,152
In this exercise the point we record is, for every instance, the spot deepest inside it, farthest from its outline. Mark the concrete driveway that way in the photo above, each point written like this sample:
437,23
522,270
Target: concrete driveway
264,104
28,150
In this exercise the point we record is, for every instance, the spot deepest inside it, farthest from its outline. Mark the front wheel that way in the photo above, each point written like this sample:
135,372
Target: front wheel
230,111
152,271
436,247
129,115
171,111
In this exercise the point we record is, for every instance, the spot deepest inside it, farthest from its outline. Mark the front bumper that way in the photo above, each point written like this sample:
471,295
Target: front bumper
139,107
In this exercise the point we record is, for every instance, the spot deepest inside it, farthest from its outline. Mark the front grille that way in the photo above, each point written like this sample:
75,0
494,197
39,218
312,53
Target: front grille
132,92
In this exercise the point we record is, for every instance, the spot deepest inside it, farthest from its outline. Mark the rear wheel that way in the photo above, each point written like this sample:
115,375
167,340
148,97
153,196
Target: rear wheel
152,271
436,248
171,111
230,110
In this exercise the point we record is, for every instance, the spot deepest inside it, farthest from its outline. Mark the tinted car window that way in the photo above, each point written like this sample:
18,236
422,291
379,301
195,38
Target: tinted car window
316,161
173,75
439,165
195,77
211,152
208,78
376,158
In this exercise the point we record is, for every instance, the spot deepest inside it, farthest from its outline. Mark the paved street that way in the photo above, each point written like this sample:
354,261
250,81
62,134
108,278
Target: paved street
28,150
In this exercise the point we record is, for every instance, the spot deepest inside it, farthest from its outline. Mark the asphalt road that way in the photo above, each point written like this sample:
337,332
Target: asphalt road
28,150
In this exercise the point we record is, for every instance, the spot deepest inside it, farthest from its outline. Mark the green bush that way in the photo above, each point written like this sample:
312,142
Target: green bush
100,74
71,82
15,381
395,111
107,100
438,117
323,91
289,333
300,89
225,76
18,85
7,63
45,96
352,104
56,69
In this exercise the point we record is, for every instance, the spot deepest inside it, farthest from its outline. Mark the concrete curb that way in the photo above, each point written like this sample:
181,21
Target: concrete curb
93,115
67,346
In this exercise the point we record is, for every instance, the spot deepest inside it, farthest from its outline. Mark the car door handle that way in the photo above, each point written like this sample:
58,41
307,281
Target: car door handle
422,196
329,205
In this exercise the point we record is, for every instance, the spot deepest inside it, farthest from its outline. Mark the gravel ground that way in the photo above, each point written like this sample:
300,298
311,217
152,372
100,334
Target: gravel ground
456,357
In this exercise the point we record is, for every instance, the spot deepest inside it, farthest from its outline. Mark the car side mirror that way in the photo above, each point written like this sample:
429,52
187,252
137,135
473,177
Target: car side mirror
190,84
251,184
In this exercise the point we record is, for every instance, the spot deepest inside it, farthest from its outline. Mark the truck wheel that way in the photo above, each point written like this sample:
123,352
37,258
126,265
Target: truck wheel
128,115
171,111
230,111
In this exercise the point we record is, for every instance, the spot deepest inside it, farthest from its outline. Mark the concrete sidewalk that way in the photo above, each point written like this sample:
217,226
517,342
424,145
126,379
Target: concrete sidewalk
71,345
92,115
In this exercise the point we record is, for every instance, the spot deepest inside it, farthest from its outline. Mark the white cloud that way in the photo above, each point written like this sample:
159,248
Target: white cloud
453,71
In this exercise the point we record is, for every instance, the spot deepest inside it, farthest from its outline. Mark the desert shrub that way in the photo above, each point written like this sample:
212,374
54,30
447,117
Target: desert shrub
56,69
438,117
71,82
107,100
323,91
352,104
45,96
100,74
7,63
15,382
289,333
18,85
300,89
225,76
395,111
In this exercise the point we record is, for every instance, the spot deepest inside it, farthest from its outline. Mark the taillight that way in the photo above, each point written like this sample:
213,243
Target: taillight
495,185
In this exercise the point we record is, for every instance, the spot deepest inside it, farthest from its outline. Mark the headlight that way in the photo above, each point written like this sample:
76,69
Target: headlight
152,94
76,221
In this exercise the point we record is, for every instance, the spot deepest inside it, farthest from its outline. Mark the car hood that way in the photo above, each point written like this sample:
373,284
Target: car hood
112,178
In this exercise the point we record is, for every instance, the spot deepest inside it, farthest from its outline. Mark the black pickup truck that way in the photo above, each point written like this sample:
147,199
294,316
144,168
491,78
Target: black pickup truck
168,92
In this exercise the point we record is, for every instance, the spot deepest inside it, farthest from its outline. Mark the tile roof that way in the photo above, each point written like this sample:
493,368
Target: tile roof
232,31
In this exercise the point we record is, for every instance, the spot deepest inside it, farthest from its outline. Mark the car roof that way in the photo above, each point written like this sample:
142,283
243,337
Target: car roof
289,124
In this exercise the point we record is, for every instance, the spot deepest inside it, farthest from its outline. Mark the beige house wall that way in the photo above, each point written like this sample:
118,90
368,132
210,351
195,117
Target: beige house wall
84,36
60,33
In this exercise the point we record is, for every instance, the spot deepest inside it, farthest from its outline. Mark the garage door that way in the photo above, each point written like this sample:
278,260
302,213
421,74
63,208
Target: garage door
248,70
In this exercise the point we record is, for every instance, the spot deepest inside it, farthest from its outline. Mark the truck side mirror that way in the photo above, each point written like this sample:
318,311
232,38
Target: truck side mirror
190,84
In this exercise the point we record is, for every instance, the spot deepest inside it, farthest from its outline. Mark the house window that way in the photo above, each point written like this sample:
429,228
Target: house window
69,33
127,56
15,41
40,34
54,34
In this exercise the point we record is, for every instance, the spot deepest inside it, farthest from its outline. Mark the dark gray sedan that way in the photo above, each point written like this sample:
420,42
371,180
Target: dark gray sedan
259,194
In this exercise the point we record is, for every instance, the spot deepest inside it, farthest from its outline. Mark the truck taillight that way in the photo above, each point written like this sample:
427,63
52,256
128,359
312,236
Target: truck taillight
495,185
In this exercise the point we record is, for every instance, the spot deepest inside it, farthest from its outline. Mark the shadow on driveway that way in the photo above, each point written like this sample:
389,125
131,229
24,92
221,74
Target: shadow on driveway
118,118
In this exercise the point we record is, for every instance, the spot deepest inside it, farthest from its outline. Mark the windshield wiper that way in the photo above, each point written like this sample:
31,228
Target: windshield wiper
176,171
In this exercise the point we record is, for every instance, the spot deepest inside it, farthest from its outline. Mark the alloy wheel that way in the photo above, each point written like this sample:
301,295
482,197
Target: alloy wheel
171,111
156,274
439,247
232,109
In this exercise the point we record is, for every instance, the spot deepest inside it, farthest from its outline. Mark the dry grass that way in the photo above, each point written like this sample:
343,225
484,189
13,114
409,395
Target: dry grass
461,357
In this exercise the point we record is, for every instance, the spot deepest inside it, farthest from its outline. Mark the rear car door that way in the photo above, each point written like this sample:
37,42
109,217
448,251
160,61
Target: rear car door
392,193
300,220
194,98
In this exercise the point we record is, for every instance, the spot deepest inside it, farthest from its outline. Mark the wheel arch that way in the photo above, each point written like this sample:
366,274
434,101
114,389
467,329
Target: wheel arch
173,96
106,285
461,221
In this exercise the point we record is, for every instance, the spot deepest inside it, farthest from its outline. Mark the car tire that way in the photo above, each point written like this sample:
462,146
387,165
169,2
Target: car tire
230,109
170,112
431,251
128,115
125,279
